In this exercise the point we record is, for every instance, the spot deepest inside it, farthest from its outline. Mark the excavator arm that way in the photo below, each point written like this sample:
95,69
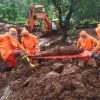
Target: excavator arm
44,17
30,22
41,15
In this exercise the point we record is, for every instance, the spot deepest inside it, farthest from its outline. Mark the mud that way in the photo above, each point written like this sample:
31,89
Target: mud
52,80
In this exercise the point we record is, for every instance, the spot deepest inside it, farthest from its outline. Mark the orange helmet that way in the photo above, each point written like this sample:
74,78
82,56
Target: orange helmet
83,32
24,32
13,30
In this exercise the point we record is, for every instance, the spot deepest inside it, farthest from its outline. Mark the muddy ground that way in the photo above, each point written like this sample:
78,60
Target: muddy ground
59,79
52,80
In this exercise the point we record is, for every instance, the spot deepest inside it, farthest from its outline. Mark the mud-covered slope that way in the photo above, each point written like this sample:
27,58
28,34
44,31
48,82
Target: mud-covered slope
53,80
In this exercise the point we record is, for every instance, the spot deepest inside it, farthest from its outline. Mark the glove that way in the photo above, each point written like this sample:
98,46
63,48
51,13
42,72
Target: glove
25,59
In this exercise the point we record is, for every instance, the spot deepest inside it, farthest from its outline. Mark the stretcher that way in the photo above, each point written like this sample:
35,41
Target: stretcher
80,55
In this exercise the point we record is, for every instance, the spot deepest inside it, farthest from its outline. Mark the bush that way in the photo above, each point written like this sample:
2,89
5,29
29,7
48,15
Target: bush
72,30
20,20
16,21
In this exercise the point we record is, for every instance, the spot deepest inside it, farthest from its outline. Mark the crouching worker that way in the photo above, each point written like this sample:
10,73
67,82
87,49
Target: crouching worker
86,42
10,49
30,43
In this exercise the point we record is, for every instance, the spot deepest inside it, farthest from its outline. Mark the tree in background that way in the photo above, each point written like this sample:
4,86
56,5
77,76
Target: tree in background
9,10
69,9
77,10
65,8
87,9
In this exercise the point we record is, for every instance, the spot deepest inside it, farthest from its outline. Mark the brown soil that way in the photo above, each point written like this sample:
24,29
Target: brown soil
52,80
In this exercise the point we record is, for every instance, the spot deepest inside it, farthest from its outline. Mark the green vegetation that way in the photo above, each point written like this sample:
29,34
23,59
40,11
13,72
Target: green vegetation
19,9
81,11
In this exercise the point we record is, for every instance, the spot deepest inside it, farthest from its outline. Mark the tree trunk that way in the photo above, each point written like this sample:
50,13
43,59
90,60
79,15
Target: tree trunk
59,12
66,26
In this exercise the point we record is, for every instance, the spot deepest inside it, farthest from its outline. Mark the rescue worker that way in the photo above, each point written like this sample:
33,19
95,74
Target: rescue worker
86,41
30,42
10,48
96,52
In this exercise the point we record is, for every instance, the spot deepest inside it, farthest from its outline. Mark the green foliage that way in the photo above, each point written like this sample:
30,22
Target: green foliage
88,9
9,10
2,11
17,20
20,20
73,29
82,9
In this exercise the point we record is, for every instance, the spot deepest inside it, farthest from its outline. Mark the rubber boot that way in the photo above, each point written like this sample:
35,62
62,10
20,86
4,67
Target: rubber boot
26,60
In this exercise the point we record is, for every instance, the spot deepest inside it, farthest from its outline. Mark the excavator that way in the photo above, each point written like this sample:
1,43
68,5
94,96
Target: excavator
38,12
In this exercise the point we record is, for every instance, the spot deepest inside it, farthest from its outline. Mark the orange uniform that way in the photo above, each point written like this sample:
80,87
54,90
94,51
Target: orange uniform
98,31
87,43
7,47
30,42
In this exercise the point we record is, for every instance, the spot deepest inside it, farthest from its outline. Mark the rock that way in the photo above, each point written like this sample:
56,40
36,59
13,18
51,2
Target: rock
7,26
52,74
70,70
58,67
